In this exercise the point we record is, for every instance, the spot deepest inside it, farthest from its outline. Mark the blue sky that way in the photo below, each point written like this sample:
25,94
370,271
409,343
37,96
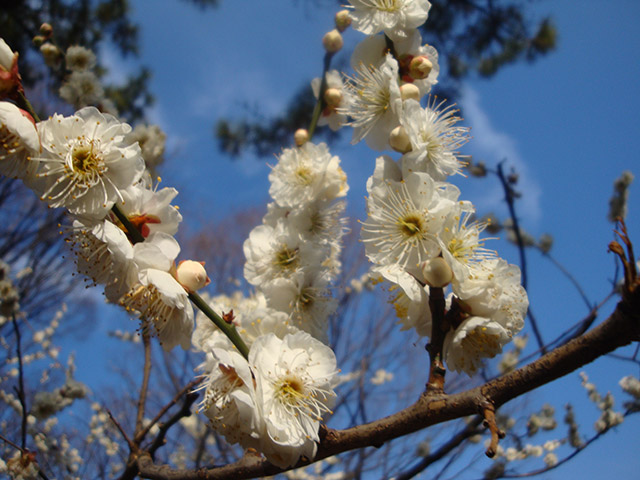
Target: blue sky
569,123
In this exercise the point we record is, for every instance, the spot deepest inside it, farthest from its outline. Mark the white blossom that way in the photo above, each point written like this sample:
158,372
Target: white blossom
277,252
474,340
104,254
82,88
295,377
393,17
306,174
375,102
149,210
85,162
157,298
251,317
78,58
229,397
404,218
435,138
306,298
631,385
19,141
372,51
410,299
335,97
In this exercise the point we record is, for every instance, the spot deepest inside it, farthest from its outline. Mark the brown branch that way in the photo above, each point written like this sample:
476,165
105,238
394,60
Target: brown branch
620,329
489,414
438,331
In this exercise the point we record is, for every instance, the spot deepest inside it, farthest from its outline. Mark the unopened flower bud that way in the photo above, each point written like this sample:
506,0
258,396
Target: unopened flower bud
6,55
410,91
9,76
420,67
399,140
301,136
478,169
46,30
51,54
37,41
437,272
343,20
192,275
333,97
332,41
545,242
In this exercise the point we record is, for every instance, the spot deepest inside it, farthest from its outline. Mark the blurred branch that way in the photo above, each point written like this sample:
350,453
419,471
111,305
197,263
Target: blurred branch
20,390
470,430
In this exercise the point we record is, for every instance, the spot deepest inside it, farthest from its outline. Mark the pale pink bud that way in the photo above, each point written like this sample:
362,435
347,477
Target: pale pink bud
301,136
333,97
420,67
399,140
437,272
343,20
332,41
9,76
6,55
192,275
410,91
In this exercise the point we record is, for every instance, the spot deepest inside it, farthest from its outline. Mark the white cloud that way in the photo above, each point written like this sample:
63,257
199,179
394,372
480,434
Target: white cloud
492,146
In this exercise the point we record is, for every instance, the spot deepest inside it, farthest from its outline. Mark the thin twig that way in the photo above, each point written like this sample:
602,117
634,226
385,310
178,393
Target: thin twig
20,389
140,436
509,198
146,341
6,440
185,411
320,103
470,429
131,445
489,414
567,458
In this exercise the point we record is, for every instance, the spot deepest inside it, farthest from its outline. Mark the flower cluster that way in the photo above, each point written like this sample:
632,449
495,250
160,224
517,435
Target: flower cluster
271,389
274,400
88,163
419,234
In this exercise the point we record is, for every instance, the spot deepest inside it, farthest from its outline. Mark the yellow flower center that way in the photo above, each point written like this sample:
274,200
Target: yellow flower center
291,390
83,158
287,258
411,225
388,5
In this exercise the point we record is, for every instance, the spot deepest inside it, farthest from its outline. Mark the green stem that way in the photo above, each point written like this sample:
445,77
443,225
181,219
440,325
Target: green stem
320,104
228,329
133,234
25,104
